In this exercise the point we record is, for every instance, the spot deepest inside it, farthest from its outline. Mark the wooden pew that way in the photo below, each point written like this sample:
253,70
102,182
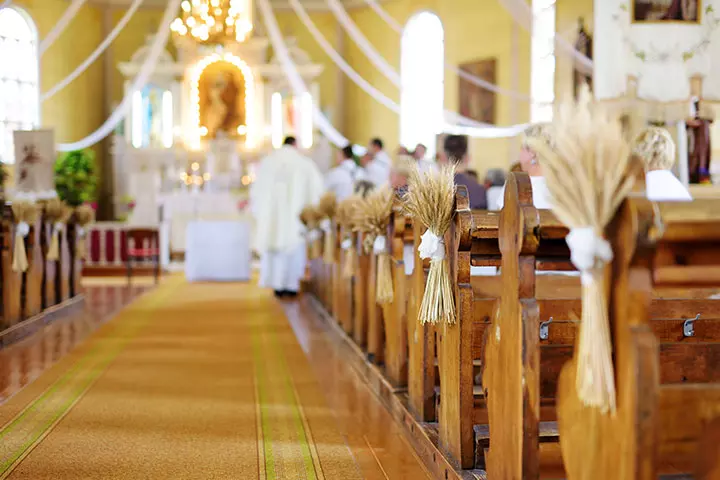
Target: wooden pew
11,281
361,293
668,383
343,287
50,267
32,282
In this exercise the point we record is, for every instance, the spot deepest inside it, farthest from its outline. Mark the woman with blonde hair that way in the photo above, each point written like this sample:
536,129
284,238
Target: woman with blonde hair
656,148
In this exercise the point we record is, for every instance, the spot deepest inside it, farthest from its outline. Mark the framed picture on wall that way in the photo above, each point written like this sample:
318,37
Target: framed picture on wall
475,102
35,158
655,11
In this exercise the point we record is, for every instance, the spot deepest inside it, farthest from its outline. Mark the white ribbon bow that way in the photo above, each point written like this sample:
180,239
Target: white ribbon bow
380,245
59,226
313,234
431,246
586,249
326,225
346,244
22,229
80,231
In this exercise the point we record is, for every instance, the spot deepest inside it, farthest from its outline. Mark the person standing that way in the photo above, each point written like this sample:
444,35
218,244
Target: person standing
377,164
420,156
341,179
286,182
456,151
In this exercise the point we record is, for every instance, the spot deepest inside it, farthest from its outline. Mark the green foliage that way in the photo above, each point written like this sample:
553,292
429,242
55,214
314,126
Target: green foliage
75,178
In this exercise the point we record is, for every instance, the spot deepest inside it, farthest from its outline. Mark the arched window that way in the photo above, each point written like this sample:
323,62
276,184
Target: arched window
542,52
19,109
422,68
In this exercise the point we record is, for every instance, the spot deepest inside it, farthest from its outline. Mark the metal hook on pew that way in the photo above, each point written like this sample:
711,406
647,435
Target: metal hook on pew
689,326
545,329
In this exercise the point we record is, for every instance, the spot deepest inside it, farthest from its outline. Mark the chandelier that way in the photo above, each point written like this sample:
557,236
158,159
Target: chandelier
214,21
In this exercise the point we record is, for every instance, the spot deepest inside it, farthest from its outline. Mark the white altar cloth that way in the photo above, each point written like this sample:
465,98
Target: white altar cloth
218,251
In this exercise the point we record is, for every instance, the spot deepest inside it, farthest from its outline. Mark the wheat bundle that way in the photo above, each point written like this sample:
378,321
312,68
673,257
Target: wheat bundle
310,217
84,216
590,149
25,214
57,213
328,209
430,199
346,218
373,218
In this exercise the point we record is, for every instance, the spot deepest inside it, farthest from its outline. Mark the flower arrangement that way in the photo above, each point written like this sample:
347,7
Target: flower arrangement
75,177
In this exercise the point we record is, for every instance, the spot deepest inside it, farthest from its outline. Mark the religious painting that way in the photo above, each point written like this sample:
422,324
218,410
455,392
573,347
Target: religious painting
35,158
222,99
290,112
583,45
666,11
477,103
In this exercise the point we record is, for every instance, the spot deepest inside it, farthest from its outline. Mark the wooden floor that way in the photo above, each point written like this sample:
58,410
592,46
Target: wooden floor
344,420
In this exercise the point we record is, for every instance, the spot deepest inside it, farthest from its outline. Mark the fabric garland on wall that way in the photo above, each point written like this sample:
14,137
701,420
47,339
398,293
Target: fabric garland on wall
5,4
296,82
340,61
146,69
59,27
95,54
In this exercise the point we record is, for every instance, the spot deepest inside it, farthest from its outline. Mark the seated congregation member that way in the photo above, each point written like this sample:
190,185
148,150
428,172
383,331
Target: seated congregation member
286,182
494,186
341,179
420,155
377,164
456,151
400,173
656,148
529,162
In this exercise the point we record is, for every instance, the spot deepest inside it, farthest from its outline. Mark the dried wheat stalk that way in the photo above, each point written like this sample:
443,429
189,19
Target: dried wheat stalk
590,149
373,218
25,214
84,216
310,217
58,214
346,217
328,209
430,199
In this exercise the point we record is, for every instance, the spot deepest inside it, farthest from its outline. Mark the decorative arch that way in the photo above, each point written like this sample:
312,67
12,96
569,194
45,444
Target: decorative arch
19,75
422,80
248,86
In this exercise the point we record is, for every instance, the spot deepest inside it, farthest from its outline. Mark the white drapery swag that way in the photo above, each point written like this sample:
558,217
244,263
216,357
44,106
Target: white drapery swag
59,27
95,54
138,83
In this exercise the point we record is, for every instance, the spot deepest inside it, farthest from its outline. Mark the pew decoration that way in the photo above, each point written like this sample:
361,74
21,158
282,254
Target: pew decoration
328,209
345,218
58,214
25,214
84,216
374,219
310,217
430,199
588,147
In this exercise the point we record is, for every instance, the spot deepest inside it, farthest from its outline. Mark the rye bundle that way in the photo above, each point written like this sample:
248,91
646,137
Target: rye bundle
57,213
346,219
310,217
430,199
25,214
84,216
373,218
590,149
328,208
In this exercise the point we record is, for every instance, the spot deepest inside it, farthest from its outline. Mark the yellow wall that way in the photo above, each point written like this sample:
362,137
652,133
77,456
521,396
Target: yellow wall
473,30
77,110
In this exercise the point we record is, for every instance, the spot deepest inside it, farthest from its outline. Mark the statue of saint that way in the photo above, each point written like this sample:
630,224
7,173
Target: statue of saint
222,115
583,44
699,151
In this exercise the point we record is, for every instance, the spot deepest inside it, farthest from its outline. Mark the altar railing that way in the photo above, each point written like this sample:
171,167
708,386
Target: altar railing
107,245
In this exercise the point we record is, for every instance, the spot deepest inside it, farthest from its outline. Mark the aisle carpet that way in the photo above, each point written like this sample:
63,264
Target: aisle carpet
193,381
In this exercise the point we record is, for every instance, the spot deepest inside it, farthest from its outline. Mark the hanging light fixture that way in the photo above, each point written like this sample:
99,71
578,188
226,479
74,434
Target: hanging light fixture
214,21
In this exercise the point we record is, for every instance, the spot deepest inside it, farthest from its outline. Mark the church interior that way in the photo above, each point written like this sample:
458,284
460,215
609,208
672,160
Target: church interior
360,239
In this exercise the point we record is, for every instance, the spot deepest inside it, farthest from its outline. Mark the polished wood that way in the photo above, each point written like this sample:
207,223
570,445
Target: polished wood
11,280
51,269
361,293
33,278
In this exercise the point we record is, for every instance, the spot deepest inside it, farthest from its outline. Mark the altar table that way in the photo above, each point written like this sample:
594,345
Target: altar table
218,251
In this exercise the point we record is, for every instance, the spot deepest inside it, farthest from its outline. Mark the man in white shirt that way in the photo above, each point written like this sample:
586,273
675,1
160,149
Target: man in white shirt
286,182
377,164
341,179
423,163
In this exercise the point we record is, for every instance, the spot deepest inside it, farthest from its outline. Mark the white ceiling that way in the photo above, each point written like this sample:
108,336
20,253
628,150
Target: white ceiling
279,4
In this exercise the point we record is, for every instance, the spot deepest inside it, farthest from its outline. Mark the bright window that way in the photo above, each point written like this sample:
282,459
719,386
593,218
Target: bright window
422,68
542,79
19,95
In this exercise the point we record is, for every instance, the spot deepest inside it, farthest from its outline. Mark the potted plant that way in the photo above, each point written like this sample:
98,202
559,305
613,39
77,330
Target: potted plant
75,177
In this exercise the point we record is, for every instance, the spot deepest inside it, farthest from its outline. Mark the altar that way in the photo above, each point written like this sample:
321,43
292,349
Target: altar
187,151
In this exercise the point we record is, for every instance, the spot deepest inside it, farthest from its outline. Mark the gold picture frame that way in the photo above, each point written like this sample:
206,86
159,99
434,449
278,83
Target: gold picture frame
645,12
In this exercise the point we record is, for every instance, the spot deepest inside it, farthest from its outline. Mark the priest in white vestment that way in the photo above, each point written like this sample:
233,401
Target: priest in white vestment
286,182
341,179
656,148
377,164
